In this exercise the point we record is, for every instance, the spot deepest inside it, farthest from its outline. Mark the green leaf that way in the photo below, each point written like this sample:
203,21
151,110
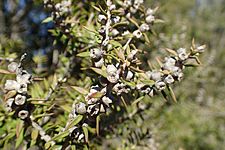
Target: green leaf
84,54
96,8
172,94
7,138
120,54
34,134
100,71
159,21
80,90
19,139
138,100
115,43
129,83
85,133
146,38
97,95
97,124
47,20
66,107
173,52
47,145
75,121
61,135
148,82
92,130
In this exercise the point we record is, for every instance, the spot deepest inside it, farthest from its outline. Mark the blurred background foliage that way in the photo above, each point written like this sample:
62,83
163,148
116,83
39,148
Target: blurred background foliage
197,121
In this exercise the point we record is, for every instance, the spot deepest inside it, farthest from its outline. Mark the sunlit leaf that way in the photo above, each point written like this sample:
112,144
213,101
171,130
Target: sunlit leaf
80,90
75,121
100,71
49,19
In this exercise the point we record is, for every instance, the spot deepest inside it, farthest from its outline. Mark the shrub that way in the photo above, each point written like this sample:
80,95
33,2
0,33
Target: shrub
99,76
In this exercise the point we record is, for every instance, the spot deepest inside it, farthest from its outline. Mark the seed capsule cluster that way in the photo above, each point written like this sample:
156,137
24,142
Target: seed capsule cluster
125,23
59,12
121,26
16,90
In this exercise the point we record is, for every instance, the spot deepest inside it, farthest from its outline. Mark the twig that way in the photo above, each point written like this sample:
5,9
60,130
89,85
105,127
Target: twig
42,133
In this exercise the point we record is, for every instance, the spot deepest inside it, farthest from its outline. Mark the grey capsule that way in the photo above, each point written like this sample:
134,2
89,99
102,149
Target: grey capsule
169,79
129,75
137,34
111,70
160,85
132,54
22,89
102,30
182,54
106,100
133,10
96,53
99,63
102,19
8,104
144,27
20,99
116,19
11,85
150,19
112,74
149,12
156,75
112,7
12,67
170,61
201,48
113,78
80,108
24,78
127,3
23,114
115,32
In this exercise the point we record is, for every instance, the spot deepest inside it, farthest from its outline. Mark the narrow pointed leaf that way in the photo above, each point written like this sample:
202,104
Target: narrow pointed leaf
80,90
75,121
100,71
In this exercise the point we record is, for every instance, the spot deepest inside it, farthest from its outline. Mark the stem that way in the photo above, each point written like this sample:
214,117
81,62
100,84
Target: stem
42,133
108,24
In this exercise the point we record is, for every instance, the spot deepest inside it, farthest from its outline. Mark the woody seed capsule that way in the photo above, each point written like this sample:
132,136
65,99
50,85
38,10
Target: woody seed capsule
150,19
96,53
169,79
160,85
80,108
182,53
144,27
137,34
8,104
20,99
12,67
11,85
99,63
23,114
